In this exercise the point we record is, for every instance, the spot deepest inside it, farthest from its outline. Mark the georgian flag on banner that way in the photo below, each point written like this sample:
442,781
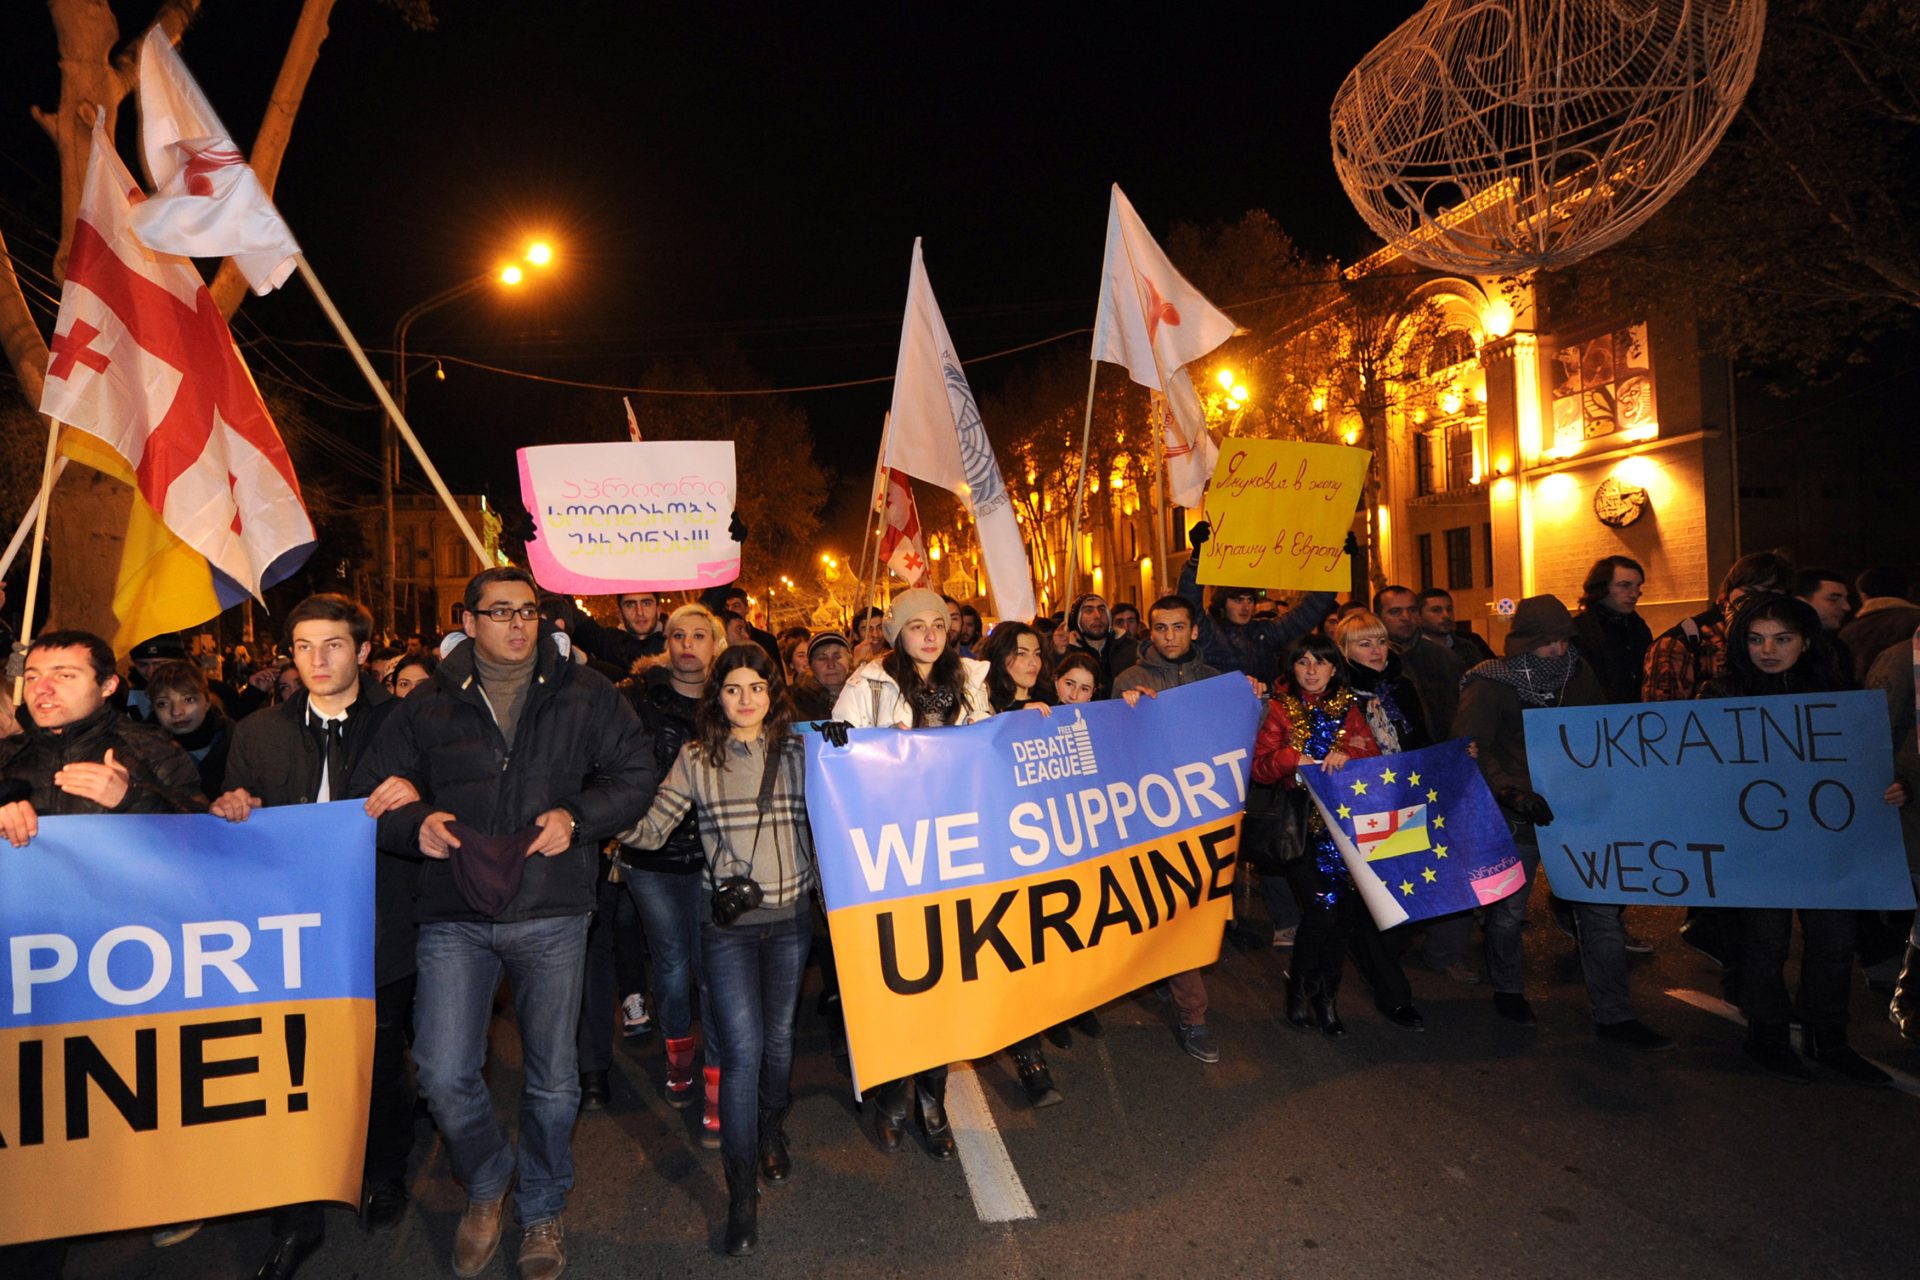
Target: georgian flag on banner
1156,324
207,202
936,435
142,358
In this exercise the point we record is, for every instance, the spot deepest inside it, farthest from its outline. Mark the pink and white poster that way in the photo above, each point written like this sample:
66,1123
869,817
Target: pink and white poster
630,517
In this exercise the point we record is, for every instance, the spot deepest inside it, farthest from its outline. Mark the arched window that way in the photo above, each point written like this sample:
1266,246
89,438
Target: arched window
1455,346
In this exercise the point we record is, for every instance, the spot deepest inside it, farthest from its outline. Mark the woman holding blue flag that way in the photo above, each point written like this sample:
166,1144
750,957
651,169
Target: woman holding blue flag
744,779
1776,645
1318,721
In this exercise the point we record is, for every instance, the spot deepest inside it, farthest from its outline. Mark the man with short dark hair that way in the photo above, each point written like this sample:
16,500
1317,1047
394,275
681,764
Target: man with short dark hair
1435,671
525,762
1091,628
1434,608
1126,621
1887,615
1609,631
638,636
869,634
1827,593
969,632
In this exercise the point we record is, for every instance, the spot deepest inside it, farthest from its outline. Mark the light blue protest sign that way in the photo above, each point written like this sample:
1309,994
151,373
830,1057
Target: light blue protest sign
1728,802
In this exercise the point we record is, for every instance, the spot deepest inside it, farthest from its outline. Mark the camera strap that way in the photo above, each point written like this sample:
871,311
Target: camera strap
769,777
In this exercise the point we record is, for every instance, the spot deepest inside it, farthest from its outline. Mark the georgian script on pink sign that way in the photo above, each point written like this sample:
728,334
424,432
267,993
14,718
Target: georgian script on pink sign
630,517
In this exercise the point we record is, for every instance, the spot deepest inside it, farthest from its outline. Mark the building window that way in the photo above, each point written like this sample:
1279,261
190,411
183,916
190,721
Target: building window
1486,548
1459,558
453,558
1426,561
1459,456
1423,463
1453,347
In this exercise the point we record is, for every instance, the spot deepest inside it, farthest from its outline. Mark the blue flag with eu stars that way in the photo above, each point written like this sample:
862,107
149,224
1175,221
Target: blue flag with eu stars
1420,833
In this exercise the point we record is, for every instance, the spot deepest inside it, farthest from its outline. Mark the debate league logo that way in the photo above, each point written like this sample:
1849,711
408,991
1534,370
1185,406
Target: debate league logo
1065,753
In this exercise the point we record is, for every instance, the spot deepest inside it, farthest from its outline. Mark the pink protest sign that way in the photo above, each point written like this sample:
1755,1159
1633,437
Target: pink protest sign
630,517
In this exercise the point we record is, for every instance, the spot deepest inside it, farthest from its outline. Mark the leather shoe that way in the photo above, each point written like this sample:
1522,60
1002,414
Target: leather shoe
386,1204
933,1124
1513,1006
890,1113
543,1250
1298,1016
284,1258
477,1238
1062,1036
1633,1034
1088,1025
776,1162
1406,1017
594,1091
1327,1013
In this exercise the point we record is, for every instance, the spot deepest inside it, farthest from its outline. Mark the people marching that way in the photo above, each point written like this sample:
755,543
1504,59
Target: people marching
639,856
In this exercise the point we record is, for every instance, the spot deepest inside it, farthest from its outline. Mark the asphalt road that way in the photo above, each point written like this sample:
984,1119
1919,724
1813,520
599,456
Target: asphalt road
1476,1148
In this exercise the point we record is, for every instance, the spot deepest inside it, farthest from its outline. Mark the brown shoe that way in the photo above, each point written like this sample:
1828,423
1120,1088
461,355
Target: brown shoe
543,1251
477,1238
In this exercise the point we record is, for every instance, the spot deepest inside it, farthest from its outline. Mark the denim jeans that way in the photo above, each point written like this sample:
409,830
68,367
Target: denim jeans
669,907
460,968
1603,946
752,977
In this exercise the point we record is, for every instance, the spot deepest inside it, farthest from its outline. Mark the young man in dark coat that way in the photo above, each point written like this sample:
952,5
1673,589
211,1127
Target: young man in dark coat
1609,631
525,762
303,752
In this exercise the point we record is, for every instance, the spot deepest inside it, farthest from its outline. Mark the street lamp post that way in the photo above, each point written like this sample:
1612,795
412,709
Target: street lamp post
540,254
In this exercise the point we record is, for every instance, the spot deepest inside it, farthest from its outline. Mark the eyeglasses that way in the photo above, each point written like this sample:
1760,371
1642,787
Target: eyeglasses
507,612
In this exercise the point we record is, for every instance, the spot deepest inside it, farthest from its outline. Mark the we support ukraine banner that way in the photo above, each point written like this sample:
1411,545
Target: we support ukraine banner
986,882
1726,802
188,1019
1419,833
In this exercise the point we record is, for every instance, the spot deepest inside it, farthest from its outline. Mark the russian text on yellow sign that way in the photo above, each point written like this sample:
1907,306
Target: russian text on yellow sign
945,977
173,1117
1281,511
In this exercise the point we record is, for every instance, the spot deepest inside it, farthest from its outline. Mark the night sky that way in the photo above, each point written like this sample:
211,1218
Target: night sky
744,178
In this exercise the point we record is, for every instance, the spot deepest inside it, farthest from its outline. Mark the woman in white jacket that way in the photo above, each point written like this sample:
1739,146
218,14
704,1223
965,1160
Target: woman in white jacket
922,683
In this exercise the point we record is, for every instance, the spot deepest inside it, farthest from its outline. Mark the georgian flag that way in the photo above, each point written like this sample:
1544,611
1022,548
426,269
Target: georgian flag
901,547
1389,834
142,358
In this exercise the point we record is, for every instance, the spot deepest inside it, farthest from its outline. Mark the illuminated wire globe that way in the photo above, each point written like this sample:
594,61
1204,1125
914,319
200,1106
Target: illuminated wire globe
1493,136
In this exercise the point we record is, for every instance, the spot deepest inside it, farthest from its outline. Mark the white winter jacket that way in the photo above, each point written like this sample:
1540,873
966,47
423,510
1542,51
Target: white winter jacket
871,699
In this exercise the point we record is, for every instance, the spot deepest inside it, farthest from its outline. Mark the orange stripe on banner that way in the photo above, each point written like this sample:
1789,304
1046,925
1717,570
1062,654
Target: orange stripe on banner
172,1117
944,977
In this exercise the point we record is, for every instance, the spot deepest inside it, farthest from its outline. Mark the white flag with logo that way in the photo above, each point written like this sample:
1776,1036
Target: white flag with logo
208,202
1155,323
936,435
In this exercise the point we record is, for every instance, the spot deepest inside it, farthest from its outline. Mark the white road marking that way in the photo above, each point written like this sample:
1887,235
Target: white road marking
1720,1008
998,1195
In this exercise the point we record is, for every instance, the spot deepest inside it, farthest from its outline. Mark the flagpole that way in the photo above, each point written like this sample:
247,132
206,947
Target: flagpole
1161,486
47,473
27,521
393,410
879,465
876,504
1079,493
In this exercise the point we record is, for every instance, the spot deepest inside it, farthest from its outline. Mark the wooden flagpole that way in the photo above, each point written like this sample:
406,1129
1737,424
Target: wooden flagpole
27,522
47,473
1161,413
393,410
1079,494
879,464
876,507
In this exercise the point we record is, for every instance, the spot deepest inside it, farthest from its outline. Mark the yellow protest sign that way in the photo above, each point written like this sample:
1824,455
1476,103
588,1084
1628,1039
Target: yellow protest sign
1280,511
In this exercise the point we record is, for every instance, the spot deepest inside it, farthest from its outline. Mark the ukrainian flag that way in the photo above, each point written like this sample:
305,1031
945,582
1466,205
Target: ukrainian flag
1390,834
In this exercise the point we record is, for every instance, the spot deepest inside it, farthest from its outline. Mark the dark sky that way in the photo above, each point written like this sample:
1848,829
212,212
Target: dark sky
736,175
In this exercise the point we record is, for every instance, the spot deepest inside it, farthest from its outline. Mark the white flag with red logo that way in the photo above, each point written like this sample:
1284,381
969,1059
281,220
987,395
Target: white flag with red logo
902,548
936,435
142,358
207,203
1155,323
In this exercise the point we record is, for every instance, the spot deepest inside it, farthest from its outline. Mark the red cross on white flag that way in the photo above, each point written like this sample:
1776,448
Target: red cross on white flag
142,358
900,542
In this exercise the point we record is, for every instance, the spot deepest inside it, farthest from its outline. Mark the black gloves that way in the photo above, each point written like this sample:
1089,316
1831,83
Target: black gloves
1352,545
834,731
737,528
1528,806
1198,535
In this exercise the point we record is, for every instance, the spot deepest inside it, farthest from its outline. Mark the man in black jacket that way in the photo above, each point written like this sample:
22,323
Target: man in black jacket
303,752
525,763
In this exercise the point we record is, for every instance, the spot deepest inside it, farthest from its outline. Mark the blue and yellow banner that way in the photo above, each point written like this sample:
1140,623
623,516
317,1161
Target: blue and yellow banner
1419,833
187,1026
984,883
1726,802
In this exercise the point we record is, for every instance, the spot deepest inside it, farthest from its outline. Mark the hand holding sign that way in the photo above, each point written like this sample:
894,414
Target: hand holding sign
1279,515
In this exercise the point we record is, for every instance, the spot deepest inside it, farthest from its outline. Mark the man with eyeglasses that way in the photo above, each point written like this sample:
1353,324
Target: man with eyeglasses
525,763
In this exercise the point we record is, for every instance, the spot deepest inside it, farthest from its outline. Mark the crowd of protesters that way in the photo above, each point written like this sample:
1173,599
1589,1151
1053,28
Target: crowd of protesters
612,815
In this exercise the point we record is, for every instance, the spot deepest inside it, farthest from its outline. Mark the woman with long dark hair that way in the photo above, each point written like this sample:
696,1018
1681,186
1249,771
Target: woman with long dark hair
1775,645
1017,675
1319,722
922,683
744,778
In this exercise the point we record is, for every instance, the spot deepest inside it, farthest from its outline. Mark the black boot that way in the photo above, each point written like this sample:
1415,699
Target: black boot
1298,989
1034,1074
1770,1045
1327,1013
289,1250
1905,1009
933,1117
1827,1045
743,1206
890,1112
776,1165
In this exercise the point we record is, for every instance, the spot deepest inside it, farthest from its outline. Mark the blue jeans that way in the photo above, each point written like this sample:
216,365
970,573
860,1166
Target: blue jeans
753,974
669,909
1603,946
460,967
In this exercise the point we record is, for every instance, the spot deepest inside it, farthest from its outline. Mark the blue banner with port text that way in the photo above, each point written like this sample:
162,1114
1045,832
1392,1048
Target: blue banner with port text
1725,802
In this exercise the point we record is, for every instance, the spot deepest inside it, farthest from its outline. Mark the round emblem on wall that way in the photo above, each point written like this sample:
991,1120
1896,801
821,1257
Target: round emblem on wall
1618,505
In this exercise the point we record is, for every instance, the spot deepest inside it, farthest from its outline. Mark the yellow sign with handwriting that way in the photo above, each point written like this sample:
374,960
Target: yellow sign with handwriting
1281,510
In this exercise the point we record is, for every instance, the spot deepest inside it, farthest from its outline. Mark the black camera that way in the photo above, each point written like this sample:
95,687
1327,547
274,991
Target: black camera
733,898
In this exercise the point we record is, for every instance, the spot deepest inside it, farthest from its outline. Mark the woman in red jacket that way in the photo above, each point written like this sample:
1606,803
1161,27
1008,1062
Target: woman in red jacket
1318,722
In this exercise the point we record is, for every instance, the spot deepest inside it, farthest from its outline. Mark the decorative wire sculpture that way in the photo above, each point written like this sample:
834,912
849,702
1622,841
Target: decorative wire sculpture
1494,136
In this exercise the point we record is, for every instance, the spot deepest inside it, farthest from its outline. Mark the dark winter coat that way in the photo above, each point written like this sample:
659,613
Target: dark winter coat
577,746
667,716
1119,653
1260,646
161,778
1492,715
1161,674
276,756
1434,672
1615,645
